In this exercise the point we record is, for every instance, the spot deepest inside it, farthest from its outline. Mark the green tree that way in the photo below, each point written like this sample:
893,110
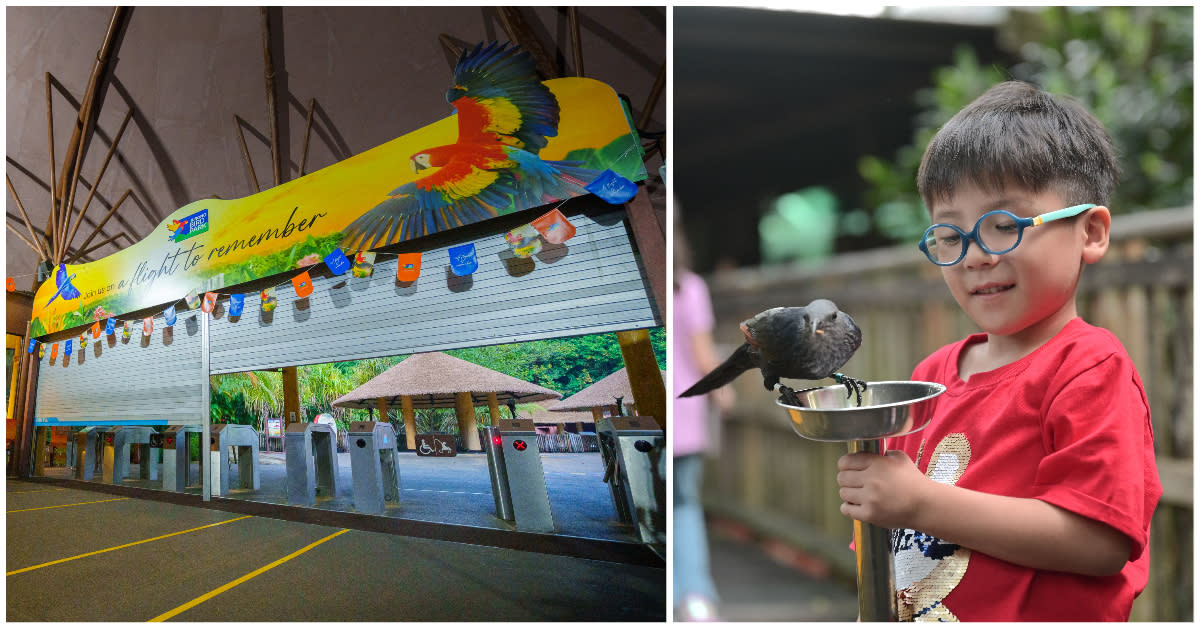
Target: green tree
1130,66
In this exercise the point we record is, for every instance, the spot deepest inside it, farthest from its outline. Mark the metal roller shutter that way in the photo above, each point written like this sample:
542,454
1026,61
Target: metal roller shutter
125,383
593,283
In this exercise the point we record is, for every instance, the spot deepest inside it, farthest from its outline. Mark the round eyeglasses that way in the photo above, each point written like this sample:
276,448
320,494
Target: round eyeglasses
996,232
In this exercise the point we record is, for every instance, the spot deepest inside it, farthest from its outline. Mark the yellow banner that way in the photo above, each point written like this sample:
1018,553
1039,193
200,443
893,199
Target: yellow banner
212,244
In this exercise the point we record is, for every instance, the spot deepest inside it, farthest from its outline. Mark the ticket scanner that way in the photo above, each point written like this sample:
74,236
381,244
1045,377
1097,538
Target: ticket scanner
310,451
373,456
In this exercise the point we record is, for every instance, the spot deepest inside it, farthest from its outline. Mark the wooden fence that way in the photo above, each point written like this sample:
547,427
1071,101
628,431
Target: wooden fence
784,486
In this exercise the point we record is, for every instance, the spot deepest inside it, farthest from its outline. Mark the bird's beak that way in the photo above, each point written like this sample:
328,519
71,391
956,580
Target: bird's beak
416,167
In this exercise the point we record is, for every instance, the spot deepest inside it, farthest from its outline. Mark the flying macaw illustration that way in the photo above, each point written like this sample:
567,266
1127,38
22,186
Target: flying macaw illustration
505,115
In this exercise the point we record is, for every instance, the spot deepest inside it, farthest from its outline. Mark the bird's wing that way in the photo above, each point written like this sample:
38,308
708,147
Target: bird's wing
538,181
498,96
458,194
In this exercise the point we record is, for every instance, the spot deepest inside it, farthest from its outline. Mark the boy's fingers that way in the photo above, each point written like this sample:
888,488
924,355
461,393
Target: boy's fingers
854,462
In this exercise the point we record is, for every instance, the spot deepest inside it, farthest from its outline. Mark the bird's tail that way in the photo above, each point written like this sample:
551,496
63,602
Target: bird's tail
741,361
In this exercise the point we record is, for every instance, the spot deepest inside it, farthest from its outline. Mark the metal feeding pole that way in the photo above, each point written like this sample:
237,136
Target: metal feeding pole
827,414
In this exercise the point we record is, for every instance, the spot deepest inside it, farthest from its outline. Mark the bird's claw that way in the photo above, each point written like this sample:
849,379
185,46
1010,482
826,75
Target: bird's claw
791,397
853,386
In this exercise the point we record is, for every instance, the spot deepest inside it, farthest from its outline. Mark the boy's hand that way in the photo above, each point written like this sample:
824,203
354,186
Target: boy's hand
886,490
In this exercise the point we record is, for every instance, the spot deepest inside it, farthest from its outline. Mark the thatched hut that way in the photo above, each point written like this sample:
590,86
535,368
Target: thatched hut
437,380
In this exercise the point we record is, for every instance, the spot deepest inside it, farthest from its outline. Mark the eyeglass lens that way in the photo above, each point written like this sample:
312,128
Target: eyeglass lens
997,232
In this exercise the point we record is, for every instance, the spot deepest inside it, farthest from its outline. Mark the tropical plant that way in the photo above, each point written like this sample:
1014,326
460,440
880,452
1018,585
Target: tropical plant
1130,66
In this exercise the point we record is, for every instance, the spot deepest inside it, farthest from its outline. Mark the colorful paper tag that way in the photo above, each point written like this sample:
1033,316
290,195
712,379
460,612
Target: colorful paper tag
110,327
10,284
554,226
41,351
169,316
267,296
147,325
32,345
463,260
236,303
210,301
303,284
612,187
96,329
524,240
408,266
67,348
128,330
54,352
337,262
83,340
192,299
364,264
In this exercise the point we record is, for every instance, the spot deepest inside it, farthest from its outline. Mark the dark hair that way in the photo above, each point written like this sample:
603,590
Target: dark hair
1018,135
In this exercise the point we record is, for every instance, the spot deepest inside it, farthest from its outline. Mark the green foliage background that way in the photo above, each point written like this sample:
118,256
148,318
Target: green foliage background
566,365
1130,66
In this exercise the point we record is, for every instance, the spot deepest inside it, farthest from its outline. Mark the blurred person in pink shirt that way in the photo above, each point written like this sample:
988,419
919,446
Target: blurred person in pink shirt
692,355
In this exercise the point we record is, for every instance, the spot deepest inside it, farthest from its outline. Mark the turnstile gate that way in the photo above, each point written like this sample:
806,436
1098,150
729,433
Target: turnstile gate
632,448
310,450
373,468
245,439
522,474
117,444
176,465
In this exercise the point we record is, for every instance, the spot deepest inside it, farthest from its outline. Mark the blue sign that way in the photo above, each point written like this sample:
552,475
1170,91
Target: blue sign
110,327
463,260
236,303
188,226
67,348
337,262
612,187
169,315
32,345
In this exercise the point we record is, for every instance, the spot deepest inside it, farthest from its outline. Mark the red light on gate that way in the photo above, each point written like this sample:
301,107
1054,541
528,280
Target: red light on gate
496,441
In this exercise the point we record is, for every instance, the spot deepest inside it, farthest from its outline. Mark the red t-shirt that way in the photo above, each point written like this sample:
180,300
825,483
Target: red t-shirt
1068,424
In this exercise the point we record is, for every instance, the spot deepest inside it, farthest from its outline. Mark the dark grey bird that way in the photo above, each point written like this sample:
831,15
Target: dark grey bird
810,342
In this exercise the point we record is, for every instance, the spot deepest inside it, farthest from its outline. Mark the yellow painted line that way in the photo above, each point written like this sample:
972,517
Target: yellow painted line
253,574
63,560
116,499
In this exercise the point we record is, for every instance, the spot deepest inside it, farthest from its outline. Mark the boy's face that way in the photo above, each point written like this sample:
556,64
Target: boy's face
1030,288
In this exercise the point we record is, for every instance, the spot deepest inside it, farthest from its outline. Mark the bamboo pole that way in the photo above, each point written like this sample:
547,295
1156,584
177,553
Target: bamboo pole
21,235
96,231
83,121
312,105
245,152
25,217
449,44
520,32
64,215
96,182
80,253
50,141
576,47
272,115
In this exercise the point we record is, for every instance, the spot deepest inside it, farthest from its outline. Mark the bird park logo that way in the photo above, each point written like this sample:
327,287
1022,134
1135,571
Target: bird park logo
188,226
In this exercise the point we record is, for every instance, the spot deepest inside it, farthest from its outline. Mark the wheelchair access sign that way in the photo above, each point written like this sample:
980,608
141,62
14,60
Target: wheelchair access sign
437,445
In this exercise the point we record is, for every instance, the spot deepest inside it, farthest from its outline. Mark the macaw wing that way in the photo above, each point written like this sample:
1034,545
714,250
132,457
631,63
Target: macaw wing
440,201
537,181
497,92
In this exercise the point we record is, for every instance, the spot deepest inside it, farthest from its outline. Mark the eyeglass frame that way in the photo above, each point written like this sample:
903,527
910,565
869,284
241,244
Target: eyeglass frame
1021,224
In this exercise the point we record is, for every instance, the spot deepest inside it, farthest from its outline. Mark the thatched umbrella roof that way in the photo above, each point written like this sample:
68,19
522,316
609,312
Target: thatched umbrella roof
549,415
602,393
433,380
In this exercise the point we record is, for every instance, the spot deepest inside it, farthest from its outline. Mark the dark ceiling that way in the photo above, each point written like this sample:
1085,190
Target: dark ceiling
768,102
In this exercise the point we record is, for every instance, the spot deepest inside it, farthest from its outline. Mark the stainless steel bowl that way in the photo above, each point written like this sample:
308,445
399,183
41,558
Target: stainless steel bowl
827,415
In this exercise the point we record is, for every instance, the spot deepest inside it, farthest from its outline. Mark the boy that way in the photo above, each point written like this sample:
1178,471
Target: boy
1029,494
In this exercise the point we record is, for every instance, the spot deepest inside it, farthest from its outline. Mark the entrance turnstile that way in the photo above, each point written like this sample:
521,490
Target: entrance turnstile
373,468
310,450
493,446
524,476
245,439
117,443
176,466
89,451
632,448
